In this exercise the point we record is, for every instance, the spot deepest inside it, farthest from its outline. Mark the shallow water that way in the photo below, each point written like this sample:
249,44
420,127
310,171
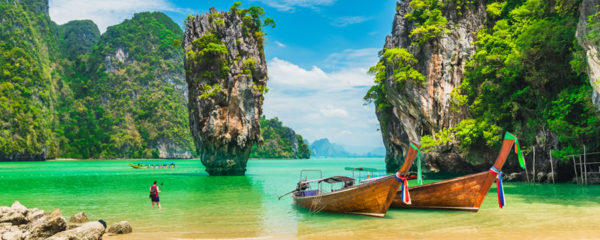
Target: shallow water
196,206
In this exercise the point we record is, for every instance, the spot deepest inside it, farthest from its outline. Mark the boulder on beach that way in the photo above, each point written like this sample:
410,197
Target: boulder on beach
87,231
20,223
80,217
10,215
46,226
33,214
18,207
14,234
121,227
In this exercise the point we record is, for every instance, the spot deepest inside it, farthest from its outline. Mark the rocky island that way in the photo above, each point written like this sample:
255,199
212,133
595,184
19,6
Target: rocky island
226,72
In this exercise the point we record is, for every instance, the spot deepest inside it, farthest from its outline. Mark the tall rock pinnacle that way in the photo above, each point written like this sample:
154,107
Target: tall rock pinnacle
226,74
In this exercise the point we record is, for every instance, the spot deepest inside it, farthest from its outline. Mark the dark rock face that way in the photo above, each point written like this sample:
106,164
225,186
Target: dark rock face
226,74
417,110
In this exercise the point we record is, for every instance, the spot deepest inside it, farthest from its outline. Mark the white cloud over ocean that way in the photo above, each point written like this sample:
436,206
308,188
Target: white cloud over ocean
319,103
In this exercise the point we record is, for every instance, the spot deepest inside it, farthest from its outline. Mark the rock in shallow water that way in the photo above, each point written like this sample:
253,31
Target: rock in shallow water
226,72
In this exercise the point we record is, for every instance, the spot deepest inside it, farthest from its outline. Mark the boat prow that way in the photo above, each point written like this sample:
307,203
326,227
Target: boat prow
464,193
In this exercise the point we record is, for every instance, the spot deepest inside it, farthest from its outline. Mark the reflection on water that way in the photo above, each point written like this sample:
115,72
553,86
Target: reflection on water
198,206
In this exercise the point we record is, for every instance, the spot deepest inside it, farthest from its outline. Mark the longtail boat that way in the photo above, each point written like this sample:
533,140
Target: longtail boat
464,193
152,165
371,197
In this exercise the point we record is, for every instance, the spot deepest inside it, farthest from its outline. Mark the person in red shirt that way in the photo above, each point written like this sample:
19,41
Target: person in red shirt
154,195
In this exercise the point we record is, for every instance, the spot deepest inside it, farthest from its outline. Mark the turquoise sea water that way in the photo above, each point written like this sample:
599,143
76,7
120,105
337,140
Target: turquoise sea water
196,206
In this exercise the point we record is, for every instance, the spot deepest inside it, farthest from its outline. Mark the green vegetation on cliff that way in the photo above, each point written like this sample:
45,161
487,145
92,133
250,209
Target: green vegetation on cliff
78,37
402,63
279,142
130,99
28,83
67,92
527,76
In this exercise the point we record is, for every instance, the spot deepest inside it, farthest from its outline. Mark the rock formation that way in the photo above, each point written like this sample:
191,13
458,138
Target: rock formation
417,110
20,223
121,227
587,9
226,74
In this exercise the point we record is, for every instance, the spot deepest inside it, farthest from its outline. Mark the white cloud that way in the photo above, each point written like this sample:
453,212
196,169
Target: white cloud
326,104
353,58
349,20
330,111
290,5
106,13
293,77
279,44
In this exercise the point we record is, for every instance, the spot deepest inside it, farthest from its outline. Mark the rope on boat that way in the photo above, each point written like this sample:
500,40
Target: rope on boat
499,187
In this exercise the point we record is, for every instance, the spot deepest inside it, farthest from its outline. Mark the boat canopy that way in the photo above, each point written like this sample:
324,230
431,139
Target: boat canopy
361,169
334,179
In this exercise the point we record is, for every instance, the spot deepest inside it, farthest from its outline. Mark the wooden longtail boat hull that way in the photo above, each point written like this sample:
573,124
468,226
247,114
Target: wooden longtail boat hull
455,194
372,198
464,193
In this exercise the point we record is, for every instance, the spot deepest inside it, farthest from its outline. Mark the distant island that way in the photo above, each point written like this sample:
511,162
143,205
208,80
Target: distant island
279,141
323,148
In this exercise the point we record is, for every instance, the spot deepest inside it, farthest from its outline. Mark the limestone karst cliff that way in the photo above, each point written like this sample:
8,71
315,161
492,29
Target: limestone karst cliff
226,74
28,81
456,74
588,30
415,109
66,91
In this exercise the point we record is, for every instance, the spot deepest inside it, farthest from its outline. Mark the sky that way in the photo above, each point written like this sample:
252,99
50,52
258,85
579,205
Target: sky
317,57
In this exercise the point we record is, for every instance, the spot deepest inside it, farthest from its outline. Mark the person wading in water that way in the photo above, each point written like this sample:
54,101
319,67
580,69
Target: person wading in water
154,195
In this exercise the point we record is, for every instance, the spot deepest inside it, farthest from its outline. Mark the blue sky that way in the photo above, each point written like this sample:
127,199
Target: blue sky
317,57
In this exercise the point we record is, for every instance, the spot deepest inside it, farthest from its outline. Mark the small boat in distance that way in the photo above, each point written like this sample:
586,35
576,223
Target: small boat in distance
152,165
370,197
464,193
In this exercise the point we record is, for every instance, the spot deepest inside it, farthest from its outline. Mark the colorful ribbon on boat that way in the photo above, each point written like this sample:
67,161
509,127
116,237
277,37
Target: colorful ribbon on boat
508,135
404,196
499,186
